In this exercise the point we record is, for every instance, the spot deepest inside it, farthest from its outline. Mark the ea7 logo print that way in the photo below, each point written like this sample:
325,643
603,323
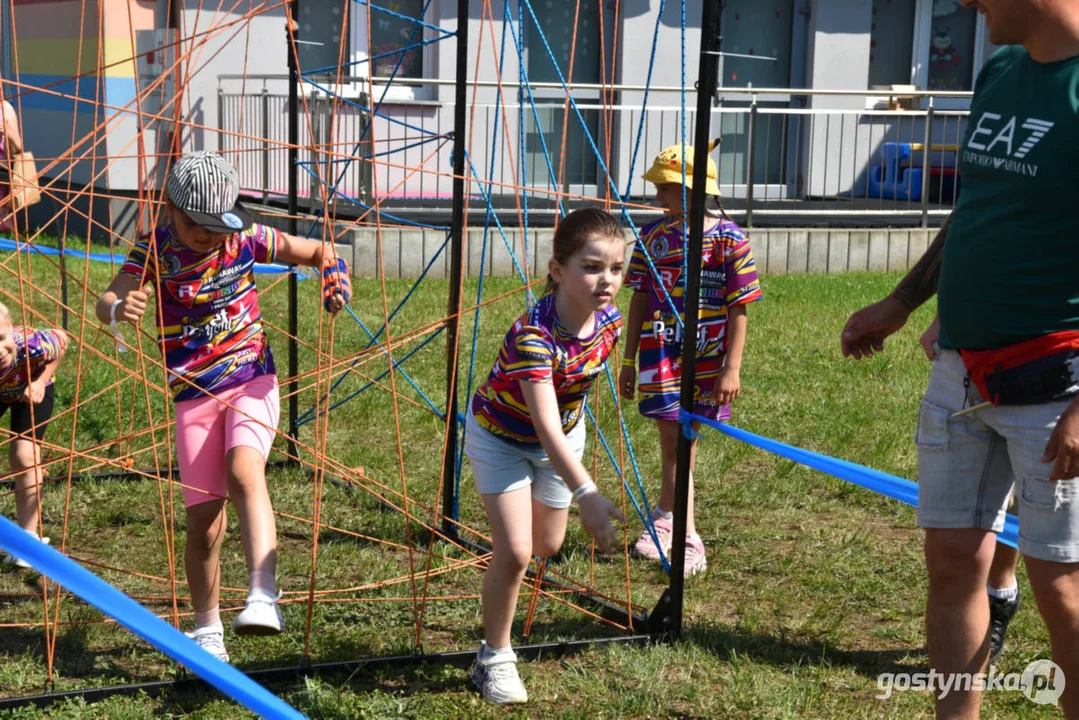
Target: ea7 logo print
1011,139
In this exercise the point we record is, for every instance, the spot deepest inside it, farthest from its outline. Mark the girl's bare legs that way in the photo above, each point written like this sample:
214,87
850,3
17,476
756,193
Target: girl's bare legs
668,445
205,529
510,515
258,527
25,458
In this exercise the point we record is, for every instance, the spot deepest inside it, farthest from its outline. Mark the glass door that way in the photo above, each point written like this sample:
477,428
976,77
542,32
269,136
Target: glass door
574,168
764,46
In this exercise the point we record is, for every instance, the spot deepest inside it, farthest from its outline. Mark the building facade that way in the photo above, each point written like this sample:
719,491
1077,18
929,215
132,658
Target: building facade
97,91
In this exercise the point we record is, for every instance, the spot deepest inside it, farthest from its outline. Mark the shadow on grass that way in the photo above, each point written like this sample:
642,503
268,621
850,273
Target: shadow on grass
74,659
784,652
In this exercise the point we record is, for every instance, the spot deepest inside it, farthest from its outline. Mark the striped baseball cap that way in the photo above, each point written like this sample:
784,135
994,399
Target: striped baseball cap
206,187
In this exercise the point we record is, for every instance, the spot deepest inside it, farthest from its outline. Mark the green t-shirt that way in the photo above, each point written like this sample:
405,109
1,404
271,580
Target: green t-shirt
1010,269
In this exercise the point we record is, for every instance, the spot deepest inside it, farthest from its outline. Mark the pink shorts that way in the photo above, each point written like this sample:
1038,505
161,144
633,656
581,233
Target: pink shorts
207,428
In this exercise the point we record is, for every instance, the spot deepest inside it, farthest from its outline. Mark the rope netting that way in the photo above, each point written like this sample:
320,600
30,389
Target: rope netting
370,561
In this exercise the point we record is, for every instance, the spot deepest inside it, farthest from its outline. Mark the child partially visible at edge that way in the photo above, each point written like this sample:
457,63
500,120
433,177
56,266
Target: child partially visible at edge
221,373
29,359
728,283
525,433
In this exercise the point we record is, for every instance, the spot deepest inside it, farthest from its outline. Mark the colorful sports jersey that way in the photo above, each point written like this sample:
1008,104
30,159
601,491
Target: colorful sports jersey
39,346
210,321
538,349
728,277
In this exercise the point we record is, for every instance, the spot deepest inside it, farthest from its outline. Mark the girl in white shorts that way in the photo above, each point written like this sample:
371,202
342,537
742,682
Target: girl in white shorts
525,437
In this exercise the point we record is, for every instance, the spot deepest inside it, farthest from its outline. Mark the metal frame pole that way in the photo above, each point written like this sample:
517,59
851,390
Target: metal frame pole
293,210
457,224
706,83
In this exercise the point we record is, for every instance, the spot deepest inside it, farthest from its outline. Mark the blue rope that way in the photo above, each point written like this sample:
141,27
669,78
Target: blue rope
645,515
682,117
644,101
384,153
397,365
471,370
498,224
526,90
488,214
387,11
890,486
389,318
382,97
522,85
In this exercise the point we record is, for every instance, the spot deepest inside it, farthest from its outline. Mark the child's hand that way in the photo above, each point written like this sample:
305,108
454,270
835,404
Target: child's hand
728,385
133,307
34,392
336,286
596,514
627,382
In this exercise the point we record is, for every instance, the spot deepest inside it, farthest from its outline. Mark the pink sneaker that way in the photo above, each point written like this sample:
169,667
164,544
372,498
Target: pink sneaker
646,547
696,562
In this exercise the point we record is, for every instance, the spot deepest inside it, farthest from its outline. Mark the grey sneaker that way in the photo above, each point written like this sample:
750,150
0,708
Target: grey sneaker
497,678
260,616
211,638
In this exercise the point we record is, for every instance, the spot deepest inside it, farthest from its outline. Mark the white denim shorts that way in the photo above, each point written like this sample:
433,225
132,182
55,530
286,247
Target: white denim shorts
969,465
501,467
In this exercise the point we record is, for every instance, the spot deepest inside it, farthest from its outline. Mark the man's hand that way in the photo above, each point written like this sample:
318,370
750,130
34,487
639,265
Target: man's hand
1063,447
866,329
34,392
929,339
596,514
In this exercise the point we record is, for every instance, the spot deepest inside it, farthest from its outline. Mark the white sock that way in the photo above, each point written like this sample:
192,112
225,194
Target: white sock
208,617
660,514
488,653
1008,593
263,581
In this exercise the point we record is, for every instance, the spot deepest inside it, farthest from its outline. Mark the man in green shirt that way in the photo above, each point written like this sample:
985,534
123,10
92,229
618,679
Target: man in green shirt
1008,278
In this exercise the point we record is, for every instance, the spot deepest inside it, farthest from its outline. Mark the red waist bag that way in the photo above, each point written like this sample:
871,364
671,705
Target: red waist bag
1034,371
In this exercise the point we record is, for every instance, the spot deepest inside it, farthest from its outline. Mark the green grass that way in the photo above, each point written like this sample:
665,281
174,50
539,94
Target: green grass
814,587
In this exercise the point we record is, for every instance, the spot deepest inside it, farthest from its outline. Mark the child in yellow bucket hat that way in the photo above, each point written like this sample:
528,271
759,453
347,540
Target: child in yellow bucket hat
728,283
667,170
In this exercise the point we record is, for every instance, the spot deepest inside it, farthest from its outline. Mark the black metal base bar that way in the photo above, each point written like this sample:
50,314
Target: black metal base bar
609,610
270,676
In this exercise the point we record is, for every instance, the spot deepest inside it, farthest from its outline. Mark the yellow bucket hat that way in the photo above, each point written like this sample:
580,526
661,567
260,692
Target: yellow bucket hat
667,168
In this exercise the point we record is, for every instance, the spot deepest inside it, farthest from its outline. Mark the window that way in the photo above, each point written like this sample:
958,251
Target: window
556,23
319,35
393,40
6,64
396,44
953,33
891,43
932,44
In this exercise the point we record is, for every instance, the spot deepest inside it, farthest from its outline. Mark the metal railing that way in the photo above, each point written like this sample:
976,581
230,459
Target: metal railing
775,161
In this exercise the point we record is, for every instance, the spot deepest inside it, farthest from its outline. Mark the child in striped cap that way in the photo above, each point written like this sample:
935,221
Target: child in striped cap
221,372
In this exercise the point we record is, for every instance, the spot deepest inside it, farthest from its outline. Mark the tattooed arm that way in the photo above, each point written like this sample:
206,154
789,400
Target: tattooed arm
866,329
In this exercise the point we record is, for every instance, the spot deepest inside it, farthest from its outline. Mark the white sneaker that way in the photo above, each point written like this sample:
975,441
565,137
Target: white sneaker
497,678
260,616
211,638
12,560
